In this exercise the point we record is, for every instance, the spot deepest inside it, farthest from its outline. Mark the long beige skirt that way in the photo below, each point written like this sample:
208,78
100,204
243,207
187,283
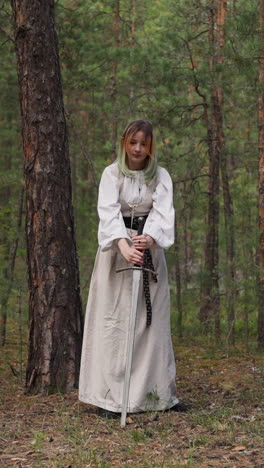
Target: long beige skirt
152,385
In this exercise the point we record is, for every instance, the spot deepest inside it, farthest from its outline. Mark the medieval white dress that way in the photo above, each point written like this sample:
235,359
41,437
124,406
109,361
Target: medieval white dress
152,384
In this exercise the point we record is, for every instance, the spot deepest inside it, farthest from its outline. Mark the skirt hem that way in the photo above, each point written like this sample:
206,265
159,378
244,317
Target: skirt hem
117,409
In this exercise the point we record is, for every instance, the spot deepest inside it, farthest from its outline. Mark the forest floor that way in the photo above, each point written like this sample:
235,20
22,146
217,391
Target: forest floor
224,427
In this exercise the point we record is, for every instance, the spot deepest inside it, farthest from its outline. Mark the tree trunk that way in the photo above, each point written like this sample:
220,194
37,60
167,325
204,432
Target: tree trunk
187,233
221,12
210,299
5,194
230,250
178,279
261,179
9,271
54,296
132,13
114,82
210,287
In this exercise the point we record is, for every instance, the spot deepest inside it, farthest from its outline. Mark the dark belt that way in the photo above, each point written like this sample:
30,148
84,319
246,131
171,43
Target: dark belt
147,264
127,221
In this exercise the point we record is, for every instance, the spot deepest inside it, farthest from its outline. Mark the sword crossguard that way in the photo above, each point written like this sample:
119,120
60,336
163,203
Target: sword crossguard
137,269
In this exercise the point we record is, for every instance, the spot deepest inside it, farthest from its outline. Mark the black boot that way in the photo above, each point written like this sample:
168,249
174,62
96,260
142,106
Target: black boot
104,413
180,407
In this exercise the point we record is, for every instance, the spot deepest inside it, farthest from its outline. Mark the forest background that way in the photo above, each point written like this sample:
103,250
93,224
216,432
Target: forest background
122,60
195,69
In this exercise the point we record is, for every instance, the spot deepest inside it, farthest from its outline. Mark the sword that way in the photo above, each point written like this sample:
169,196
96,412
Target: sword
131,330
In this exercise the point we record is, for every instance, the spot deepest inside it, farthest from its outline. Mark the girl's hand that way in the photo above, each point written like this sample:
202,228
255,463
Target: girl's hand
143,242
131,254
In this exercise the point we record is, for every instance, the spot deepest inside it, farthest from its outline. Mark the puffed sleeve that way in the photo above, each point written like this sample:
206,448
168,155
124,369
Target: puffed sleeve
160,221
111,224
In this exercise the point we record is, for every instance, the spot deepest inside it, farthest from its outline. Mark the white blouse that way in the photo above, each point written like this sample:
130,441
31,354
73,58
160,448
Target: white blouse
126,196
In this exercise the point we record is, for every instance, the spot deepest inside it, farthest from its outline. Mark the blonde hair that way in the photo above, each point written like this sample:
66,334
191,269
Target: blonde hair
150,170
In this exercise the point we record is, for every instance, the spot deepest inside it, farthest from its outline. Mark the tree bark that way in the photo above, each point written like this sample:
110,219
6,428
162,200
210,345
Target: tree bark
9,270
221,13
210,298
210,301
5,243
178,280
54,295
230,250
261,179
132,42
114,81
187,237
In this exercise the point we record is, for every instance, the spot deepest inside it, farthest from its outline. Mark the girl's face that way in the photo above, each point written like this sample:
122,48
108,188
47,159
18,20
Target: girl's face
137,151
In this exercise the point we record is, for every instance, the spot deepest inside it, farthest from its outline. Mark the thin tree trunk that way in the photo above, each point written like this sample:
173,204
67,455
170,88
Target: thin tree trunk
178,279
210,299
5,241
132,38
221,13
210,288
230,251
261,179
114,82
187,253
54,296
10,271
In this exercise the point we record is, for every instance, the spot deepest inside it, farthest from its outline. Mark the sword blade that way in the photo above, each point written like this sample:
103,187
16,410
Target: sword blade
130,344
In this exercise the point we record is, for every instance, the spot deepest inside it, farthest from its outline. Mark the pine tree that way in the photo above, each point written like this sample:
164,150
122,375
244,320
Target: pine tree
53,277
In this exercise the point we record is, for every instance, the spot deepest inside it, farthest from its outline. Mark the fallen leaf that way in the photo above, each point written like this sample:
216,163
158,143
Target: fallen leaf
130,421
239,448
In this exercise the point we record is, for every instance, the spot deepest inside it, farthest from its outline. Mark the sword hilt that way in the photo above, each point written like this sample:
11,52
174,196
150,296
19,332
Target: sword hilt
141,222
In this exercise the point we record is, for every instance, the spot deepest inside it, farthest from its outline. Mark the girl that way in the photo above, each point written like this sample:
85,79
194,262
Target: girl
132,186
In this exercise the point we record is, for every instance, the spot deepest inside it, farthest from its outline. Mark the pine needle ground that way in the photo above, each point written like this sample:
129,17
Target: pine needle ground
224,428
